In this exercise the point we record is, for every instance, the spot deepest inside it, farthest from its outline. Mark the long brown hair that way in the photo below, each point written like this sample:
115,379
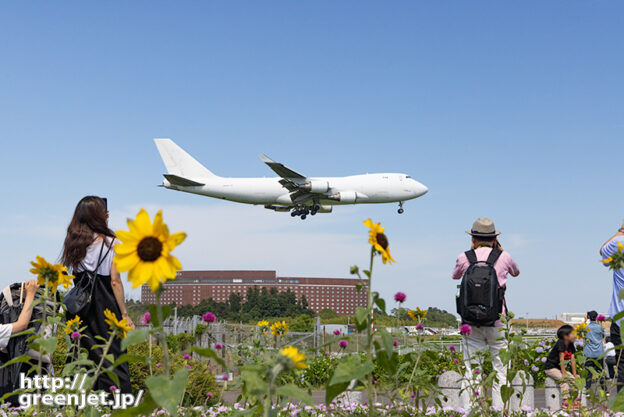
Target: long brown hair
487,241
90,218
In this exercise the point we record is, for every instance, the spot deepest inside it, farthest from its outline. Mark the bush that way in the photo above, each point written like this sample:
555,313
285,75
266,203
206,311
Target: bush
319,369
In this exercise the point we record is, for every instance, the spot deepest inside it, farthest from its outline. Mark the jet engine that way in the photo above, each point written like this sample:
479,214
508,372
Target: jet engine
315,186
324,208
344,196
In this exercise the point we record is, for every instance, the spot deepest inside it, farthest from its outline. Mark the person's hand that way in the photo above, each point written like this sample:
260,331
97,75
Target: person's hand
31,287
130,322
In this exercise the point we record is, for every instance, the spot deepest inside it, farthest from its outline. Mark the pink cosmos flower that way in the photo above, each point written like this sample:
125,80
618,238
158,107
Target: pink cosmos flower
400,297
465,329
337,332
209,317
218,346
147,317
75,335
187,356
343,344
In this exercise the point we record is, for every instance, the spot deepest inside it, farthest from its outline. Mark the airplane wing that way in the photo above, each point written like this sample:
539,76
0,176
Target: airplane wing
280,169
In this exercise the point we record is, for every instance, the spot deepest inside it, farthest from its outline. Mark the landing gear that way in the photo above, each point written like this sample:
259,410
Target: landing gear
400,210
315,208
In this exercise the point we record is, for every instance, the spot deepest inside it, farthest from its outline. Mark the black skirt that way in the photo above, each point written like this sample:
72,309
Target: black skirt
93,317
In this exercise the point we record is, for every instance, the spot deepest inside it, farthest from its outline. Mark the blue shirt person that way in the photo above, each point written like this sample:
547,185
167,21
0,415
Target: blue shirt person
593,340
616,306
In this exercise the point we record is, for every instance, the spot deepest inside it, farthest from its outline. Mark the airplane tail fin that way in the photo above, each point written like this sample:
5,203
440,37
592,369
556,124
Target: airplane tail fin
178,162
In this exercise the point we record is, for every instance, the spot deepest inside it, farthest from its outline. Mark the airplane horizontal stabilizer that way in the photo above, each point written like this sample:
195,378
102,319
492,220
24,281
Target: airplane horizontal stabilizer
181,181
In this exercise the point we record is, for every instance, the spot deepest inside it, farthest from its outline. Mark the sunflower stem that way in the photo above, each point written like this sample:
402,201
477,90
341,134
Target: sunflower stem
161,334
369,342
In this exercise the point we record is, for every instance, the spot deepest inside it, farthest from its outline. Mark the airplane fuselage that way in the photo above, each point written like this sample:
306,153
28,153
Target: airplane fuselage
366,188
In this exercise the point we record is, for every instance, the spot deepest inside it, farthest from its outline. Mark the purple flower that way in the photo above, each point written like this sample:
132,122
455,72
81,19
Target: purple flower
601,318
465,329
158,365
188,367
218,346
224,377
534,368
337,332
400,297
544,359
413,396
456,360
526,362
147,317
452,348
209,395
343,344
209,317
112,388
419,326
75,335
477,393
476,371
187,356
395,343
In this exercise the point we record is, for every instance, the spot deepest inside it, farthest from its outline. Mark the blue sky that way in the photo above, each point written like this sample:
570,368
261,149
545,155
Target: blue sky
512,111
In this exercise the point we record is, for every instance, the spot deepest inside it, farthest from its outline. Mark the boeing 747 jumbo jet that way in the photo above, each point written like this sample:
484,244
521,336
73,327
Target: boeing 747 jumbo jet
291,191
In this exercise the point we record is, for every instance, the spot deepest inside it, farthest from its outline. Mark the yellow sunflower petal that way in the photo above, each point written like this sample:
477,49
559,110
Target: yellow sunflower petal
158,224
175,239
126,262
142,223
127,237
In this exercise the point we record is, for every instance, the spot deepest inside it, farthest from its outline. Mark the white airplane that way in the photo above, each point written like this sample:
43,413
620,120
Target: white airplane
291,191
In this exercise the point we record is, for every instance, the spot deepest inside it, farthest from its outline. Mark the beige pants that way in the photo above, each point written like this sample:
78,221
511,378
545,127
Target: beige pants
555,373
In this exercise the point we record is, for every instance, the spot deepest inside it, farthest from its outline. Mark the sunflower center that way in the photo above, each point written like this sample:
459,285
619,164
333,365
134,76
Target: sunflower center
149,249
382,240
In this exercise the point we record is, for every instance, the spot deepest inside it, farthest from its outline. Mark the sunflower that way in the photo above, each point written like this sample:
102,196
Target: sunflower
378,240
145,249
73,325
120,327
51,275
616,261
417,314
279,328
264,326
296,356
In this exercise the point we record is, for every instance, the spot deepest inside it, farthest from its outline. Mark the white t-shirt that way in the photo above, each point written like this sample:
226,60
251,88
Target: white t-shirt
609,349
93,252
5,334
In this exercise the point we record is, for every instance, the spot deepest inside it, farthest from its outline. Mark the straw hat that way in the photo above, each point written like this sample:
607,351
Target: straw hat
483,227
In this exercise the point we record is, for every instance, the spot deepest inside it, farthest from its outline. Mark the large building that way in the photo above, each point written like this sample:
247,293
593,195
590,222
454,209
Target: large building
191,287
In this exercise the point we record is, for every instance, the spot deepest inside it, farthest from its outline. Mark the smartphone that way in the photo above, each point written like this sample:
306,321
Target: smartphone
105,202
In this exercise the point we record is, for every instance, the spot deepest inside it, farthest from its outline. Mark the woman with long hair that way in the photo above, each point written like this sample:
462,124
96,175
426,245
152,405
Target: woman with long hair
89,246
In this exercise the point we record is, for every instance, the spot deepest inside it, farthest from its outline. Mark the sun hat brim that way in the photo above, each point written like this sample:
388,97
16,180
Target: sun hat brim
478,234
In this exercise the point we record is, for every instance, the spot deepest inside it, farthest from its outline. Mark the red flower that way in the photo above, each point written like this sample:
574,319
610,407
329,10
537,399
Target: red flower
567,355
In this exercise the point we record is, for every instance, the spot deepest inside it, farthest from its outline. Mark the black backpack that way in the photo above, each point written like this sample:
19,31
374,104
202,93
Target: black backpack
480,301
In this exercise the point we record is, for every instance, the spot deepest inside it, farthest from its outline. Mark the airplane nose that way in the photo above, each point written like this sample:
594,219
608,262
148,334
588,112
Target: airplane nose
420,189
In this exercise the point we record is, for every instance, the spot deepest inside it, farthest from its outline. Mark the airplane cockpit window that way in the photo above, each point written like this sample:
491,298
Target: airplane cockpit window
407,176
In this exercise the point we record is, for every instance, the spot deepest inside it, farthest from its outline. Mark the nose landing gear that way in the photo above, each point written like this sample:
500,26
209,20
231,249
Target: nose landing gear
400,210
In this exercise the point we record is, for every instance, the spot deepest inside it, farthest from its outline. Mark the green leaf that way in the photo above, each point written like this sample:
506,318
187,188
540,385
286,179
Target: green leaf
128,357
350,368
166,392
208,353
618,404
153,310
134,337
292,391
48,345
381,303
388,342
23,358
332,391
361,318
618,316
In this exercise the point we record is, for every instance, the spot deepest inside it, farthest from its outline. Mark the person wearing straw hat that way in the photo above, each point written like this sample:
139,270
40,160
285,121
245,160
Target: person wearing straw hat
484,242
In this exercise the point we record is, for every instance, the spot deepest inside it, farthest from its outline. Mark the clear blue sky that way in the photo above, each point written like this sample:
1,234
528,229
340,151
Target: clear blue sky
512,111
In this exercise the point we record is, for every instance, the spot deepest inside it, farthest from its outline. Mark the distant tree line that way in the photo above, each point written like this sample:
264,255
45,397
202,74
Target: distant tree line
259,303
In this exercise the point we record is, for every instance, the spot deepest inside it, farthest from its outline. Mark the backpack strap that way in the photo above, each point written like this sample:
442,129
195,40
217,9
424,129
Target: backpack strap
472,256
493,257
